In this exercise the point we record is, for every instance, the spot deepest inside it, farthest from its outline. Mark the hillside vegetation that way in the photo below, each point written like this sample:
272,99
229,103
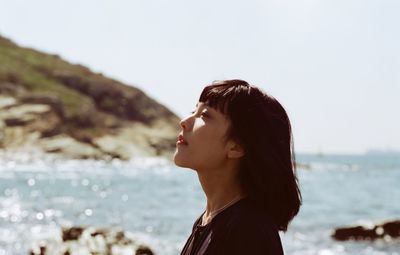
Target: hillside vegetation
48,103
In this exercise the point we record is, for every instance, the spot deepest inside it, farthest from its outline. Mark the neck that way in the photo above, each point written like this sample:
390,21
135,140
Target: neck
221,187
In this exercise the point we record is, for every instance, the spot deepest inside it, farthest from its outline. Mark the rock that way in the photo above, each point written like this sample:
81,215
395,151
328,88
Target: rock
6,101
23,115
387,230
82,240
52,101
73,233
11,86
392,228
69,147
11,122
17,138
26,112
113,97
41,250
142,250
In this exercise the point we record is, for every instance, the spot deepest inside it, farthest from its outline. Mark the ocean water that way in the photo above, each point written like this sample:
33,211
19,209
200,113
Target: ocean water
158,202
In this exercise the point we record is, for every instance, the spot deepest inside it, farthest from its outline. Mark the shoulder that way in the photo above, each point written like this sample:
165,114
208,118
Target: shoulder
248,216
249,230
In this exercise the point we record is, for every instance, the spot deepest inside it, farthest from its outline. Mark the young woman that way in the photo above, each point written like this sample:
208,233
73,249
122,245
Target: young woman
239,141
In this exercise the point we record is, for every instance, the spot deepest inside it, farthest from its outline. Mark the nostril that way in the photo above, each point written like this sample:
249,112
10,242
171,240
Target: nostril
186,123
182,123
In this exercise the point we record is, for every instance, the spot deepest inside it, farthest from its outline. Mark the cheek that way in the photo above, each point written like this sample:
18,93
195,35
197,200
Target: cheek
205,151
210,147
198,125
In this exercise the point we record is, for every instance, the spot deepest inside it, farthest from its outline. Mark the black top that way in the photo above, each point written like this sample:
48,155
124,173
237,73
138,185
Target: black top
239,229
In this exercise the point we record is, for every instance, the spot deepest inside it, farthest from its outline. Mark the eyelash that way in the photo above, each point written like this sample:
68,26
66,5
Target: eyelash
201,114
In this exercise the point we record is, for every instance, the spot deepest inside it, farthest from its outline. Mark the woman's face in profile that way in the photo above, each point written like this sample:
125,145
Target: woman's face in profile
201,144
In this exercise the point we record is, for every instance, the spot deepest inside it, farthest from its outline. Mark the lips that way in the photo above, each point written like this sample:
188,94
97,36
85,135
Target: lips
181,140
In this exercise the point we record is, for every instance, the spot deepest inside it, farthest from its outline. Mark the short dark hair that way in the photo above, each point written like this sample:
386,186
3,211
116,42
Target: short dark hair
261,125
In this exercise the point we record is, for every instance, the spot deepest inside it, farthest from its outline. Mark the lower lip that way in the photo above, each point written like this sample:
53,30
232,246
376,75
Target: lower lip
181,143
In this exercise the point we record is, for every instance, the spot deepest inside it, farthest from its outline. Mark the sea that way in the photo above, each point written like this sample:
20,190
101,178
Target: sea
158,202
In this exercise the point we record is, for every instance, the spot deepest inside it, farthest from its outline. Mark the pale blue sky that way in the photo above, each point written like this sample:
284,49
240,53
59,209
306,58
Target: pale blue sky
333,64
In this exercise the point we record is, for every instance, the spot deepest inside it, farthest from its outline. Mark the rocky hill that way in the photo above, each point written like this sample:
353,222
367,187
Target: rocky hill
49,104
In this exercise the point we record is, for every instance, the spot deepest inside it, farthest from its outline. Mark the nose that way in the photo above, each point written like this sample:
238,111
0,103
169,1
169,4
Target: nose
185,123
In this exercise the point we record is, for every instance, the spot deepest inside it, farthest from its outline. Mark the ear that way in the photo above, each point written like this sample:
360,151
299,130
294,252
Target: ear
235,150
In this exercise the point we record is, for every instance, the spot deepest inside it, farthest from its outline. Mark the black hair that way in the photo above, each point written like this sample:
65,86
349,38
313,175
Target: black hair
261,126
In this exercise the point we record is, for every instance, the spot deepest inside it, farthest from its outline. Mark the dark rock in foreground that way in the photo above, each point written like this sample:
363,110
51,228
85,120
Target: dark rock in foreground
82,240
387,231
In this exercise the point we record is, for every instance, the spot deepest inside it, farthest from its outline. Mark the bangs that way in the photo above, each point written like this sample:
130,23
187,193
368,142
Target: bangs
220,95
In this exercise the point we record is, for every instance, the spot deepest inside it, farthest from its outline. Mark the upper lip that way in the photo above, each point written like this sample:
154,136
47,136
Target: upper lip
182,138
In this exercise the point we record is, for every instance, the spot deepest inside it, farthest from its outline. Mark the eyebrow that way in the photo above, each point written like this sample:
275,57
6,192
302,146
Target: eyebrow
207,107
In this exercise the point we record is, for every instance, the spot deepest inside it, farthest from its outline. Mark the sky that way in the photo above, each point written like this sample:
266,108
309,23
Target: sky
333,64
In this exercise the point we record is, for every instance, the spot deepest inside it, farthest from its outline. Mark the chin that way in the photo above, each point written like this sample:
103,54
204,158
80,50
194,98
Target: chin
177,159
180,161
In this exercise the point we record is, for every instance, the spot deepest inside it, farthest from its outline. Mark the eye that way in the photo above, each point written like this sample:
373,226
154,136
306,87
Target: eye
204,114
